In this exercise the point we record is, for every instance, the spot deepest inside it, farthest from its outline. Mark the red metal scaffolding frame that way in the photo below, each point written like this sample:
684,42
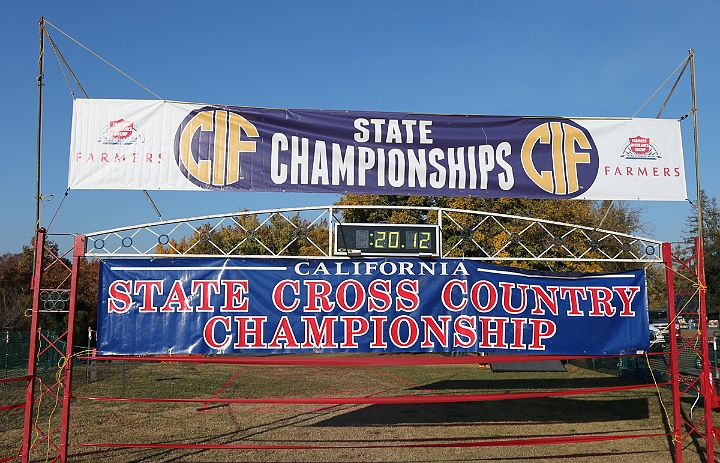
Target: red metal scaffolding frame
690,382
56,435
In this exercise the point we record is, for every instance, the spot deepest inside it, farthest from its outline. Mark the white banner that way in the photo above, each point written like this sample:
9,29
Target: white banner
160,145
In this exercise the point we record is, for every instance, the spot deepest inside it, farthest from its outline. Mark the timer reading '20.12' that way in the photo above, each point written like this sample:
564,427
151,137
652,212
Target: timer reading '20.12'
381,239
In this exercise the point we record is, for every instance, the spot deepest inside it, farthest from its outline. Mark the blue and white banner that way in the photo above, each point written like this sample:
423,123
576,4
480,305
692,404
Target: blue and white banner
255,306
159,145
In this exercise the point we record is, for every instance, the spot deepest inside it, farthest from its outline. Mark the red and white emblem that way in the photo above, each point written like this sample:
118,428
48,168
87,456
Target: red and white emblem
121,129
120,132
640,145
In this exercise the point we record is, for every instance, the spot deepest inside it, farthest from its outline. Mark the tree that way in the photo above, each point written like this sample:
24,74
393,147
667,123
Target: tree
16,273
15,295
711,246
276,235
618,216
712,278
711,221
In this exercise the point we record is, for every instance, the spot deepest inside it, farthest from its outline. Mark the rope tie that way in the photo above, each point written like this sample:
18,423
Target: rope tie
699,286
42,198
657,388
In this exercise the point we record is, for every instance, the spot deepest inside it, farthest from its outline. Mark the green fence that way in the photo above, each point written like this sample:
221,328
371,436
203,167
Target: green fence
16,347
654,367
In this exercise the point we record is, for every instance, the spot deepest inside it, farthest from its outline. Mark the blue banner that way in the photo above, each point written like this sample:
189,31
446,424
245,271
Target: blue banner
390,153
256,306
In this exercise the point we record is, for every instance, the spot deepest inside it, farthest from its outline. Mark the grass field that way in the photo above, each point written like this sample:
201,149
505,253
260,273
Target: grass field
357,433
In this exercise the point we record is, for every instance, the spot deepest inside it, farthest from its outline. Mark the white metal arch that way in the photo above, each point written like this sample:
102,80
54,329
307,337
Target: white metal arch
306,232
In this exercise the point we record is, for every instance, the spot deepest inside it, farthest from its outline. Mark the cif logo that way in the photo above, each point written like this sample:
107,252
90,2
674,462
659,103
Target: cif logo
209,144
560,157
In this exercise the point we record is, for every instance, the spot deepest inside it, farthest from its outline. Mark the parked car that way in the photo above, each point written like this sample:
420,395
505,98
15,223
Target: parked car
657,336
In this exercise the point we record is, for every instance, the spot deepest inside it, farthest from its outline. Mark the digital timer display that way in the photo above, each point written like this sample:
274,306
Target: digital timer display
384,239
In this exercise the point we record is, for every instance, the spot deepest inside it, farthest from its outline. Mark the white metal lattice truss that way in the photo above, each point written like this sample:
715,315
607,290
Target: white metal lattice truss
308,232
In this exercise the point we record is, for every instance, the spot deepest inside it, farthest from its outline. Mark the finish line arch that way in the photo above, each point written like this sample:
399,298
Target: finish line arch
467,234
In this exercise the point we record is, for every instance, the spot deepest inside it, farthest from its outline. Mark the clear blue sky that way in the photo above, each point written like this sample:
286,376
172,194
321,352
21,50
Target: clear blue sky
509,57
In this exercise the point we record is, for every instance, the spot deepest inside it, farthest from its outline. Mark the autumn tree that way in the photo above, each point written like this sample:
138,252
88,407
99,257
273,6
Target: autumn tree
16,273
249,236
617,216
15,294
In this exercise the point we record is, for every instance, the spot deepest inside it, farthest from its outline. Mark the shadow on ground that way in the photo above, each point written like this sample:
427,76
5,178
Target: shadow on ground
551,410
522,384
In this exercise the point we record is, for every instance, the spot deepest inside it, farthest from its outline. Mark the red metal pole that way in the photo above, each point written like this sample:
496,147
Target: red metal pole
706,384
78,255
673,358
32,353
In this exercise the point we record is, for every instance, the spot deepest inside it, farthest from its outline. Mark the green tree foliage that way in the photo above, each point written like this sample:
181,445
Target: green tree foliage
712,279
711,221
711,246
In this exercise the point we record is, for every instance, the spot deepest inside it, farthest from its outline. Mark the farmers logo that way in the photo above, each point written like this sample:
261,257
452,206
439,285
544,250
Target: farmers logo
209,144
640,148
120,132
560,157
